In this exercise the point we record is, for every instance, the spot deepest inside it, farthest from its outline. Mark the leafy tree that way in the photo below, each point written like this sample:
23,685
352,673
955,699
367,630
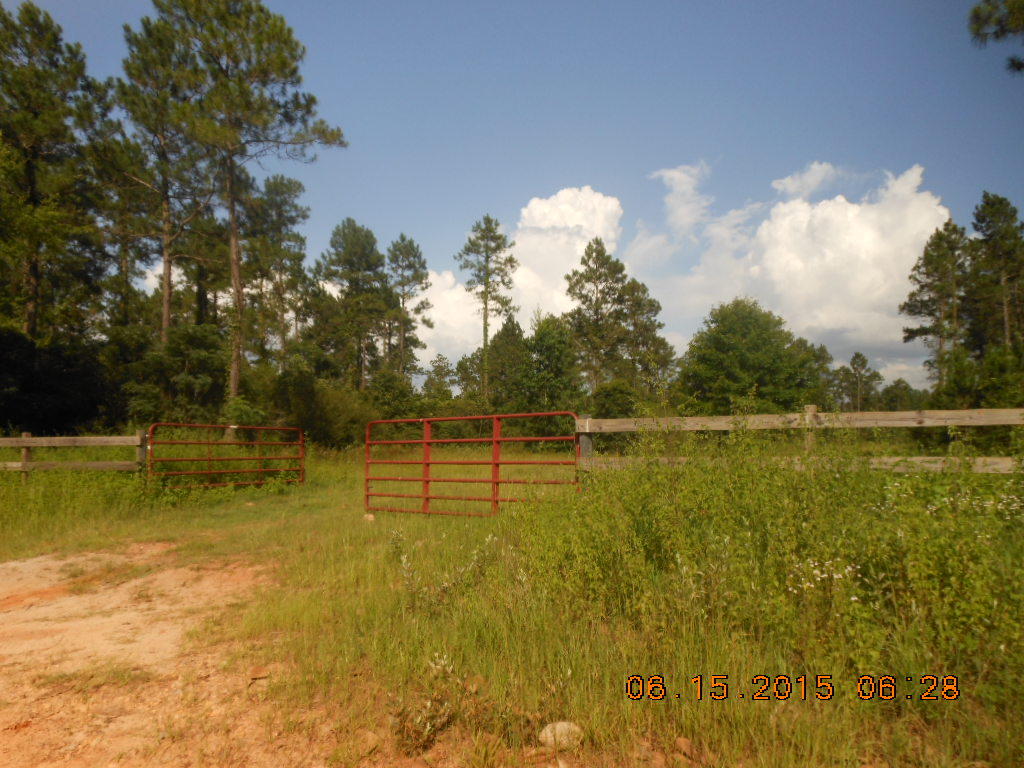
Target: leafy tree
182,380
554,382
437,386
745,353
245,61
409,280
615,399
392,395
615,323
856,385
901,396
511,368
51,263
488,259
939,278
998,20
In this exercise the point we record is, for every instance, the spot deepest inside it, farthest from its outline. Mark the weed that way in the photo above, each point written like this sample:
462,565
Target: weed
87,680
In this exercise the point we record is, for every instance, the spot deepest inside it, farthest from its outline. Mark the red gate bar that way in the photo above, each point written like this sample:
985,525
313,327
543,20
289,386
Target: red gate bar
295,472
427,480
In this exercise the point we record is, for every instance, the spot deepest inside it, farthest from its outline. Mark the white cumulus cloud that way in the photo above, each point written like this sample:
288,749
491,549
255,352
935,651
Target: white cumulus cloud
836,270
812,178
685,206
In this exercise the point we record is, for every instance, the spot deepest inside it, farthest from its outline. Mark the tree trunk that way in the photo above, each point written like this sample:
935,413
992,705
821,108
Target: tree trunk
942,342
124,270
32,268
32,279
1006,308
362,363
235,256
483,351
165,251
202,297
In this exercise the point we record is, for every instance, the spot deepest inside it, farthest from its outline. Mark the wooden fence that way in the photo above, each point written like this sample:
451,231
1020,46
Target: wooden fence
811,420
26,443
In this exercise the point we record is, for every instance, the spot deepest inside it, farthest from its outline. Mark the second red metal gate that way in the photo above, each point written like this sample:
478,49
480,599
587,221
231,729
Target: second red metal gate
512,458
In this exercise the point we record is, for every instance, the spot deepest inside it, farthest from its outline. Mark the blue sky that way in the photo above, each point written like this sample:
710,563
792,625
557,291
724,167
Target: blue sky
457,109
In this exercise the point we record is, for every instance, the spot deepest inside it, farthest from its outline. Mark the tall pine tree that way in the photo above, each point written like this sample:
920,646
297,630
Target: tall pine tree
246,61
488,259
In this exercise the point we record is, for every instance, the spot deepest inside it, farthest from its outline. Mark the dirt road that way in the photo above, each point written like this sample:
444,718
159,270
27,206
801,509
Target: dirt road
97,668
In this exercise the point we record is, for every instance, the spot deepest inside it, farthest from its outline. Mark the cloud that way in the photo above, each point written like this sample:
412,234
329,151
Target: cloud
836,270
812,178
549,240
685,207
550,237
456,317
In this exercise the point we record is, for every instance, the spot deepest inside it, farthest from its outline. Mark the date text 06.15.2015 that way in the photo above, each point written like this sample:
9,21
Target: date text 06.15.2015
801,687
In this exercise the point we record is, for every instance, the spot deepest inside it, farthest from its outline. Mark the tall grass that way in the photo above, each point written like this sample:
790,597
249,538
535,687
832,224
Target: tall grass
72,510
735,564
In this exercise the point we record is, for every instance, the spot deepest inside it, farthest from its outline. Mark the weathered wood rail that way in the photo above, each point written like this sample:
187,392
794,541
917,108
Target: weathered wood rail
811,420
26,443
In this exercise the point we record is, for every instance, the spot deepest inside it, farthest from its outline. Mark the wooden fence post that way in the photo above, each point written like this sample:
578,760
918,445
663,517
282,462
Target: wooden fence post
140,450
26,458
810,418
586,441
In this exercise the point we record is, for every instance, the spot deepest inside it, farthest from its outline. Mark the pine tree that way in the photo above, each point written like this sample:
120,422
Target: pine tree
161,94
939,278
274,255
409,278
997,272
54,262
856,385
488,258
246,64
597,322
999,20
355,269
615,323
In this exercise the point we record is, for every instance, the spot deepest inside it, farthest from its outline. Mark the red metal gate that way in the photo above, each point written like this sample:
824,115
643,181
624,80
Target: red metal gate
225,455
427,478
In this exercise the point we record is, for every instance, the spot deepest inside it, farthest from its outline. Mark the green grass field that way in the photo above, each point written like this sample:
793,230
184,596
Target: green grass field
733,565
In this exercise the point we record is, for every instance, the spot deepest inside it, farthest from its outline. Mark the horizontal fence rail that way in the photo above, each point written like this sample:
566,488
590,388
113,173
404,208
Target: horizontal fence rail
811,420
187,454
424,486
27,443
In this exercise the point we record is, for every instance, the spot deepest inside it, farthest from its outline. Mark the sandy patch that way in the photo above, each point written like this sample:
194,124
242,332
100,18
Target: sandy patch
96,669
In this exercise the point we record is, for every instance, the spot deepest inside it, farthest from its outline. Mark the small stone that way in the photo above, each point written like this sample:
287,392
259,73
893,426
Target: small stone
369,517
561,735
250,503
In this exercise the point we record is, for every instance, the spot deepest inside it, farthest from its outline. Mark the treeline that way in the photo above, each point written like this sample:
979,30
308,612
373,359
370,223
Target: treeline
105,182
969,296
